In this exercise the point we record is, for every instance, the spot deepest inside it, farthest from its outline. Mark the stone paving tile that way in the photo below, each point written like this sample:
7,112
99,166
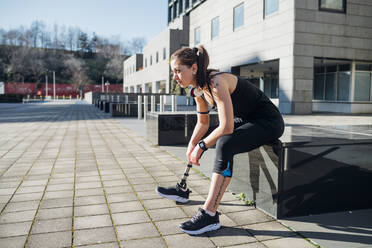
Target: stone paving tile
32,189
119,189
13,242
137,231
53,225
187,241
52,213
14,229
231,236
251,245
122,197
169,227
121,207
249,217
58,194
166,214
144,243
111,183
159,203
94,236
56,203
21,206
233,206
146,195
20,216
88,192
91,210
269,230
144,187
27,197
50,240
284,243
104,245
89,200
92,221
130,218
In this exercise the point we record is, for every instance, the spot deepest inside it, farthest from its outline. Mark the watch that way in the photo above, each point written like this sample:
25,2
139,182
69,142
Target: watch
202,145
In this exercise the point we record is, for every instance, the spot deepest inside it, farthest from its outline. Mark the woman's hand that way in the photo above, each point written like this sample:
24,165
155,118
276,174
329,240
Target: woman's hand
195,155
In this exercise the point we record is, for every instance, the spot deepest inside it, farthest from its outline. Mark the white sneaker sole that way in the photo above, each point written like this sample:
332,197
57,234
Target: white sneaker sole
209,228
173,197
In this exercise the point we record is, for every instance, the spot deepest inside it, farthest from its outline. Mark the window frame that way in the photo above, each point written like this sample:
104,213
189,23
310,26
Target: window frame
197,28
343,11
264,9
218,30
242,25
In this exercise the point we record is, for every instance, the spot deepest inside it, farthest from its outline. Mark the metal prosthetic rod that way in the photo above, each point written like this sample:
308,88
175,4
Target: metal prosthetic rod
185,175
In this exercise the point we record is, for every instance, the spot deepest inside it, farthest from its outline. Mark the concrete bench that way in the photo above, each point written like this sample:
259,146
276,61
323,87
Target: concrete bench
310,170
174,128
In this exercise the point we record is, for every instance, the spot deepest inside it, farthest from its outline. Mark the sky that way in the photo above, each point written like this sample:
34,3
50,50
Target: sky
125,19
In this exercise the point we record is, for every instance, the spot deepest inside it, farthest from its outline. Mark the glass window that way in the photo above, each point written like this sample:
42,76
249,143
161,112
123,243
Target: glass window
362,86
319,87
151,60
180,6
164,53
343,86
187,4
157,57
145,62
215,28
363,67
332,5
174,11
271,6
169,14
197,36
330,87
239,16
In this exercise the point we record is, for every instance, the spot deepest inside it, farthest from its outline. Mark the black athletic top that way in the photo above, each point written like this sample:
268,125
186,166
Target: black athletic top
249,102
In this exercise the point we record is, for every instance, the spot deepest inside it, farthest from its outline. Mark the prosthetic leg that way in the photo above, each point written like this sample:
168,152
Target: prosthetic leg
179,193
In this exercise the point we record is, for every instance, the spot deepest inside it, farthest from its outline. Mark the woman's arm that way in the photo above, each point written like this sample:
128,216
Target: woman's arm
201,127
222,98
225,112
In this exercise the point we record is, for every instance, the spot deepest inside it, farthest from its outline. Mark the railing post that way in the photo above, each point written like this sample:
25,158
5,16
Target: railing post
139,105
145,106
174,103
153,106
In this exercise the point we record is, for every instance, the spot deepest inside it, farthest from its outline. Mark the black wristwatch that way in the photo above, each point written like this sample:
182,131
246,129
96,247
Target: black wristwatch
202,145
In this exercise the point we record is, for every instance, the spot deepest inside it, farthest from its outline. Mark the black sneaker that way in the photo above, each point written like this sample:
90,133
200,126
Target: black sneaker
177,193
201,223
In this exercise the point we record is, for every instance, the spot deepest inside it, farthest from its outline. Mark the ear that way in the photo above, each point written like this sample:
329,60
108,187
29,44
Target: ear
194,68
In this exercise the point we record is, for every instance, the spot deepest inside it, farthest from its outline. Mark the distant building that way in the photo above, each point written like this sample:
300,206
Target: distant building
307,56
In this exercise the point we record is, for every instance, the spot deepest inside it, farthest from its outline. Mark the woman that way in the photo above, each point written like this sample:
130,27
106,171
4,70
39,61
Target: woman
247,120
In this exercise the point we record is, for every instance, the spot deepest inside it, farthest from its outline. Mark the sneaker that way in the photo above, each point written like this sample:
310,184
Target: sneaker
177,193
201,223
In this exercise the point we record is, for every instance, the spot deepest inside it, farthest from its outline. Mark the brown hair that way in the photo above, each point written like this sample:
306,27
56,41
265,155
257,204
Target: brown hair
199,56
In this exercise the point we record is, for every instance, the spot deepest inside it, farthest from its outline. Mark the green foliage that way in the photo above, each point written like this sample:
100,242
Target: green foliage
243,198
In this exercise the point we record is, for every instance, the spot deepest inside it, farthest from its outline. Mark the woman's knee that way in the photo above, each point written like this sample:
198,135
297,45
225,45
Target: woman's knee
224,144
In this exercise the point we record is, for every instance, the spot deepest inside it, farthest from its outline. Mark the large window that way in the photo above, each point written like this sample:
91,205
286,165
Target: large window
215,28
332,80
271,6
239,16
333,5
271,84
164,53
363,82
180,6
157,57
145,62
197,36
150,59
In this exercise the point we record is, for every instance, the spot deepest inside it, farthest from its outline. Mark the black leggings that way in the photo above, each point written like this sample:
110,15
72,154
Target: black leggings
246,137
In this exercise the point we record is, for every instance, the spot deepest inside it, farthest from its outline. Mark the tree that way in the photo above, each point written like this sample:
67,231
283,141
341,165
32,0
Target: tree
75,67
137,44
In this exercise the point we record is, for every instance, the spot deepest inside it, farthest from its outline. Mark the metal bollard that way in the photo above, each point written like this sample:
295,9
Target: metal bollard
161,107
145,106
174,103
139,105
153,104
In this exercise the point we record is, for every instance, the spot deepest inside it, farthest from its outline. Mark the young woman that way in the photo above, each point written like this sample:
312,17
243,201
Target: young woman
247,120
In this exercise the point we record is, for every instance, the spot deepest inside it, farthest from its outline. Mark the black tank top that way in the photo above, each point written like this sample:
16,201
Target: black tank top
249,102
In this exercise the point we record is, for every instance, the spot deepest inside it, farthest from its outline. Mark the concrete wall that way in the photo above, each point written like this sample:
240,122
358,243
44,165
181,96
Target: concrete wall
329,35
260,39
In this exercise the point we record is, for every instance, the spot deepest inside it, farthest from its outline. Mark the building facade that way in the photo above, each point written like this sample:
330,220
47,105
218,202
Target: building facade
307,56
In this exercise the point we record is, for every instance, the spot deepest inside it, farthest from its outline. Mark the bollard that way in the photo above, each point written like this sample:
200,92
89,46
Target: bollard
139,105
174,103
161,107
145,106
153,104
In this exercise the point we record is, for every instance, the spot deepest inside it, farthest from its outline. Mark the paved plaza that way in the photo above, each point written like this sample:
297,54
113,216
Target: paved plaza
72,176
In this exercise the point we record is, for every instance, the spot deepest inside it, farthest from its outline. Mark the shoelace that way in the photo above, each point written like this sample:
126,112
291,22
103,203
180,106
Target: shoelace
197,217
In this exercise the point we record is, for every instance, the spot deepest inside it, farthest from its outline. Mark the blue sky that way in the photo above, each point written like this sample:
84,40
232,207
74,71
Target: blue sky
108,18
